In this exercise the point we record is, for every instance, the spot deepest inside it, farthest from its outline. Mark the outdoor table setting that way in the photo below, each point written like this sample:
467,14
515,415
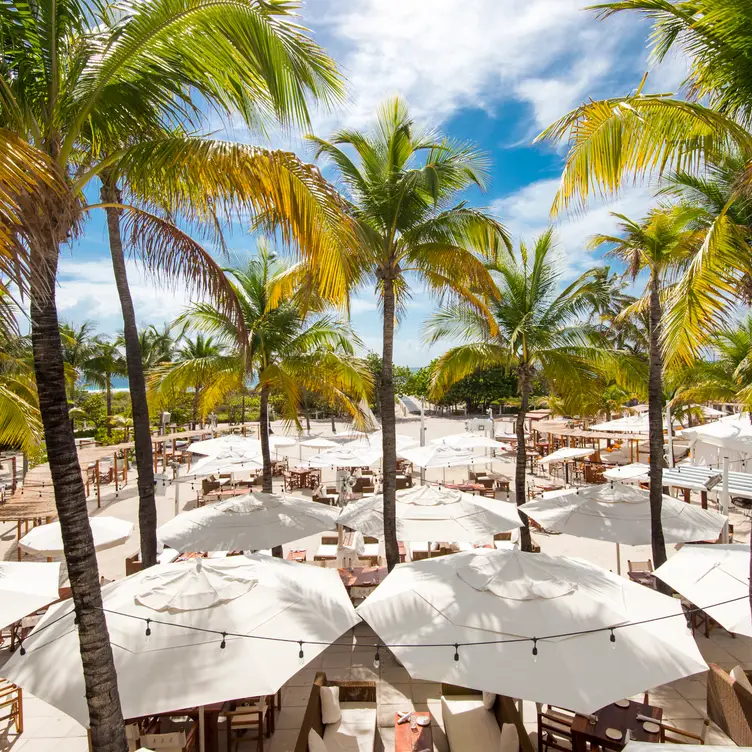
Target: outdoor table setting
297,554
472,488
414,734
362,577
607,728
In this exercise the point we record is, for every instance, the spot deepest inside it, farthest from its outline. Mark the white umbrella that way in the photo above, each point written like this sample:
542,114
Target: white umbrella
633,471
346,457
713,574
468,441
317,442
375,441
487,596
434,514
228,460
566,453
47,540
436,455
253,522
233,442
163,667
276,441
26,587
621,514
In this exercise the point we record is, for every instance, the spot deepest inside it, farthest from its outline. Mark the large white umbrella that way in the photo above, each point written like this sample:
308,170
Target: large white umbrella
228,460
713,574
468,441
436,455
633,471
163,665
26,587
343,456
375,441
487,596
47,540
566,453
253,522
317,442
434,514
232,442
621,514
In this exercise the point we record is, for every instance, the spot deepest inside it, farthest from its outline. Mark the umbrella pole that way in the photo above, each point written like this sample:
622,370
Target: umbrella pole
201,729
618,559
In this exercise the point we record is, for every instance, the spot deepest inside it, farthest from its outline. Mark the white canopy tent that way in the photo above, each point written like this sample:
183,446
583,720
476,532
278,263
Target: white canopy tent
26,587
254,522
429,513
713,574
486,596
621,514
729,437
47,540
257,596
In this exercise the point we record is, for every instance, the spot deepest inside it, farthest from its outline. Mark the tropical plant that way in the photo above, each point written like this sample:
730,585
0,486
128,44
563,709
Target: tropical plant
104,362
20,422
76,342
532,328
74,78
157,346
661,244
282,345
195,351
402,190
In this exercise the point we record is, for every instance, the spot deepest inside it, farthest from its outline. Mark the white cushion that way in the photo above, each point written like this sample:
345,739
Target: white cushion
489,698
330,711
466,719
315,742
355,731
510,739
370,549
327,549
738,675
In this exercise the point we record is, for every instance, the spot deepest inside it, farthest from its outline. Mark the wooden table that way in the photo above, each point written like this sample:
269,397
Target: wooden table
614,717
407,740
299,476
362,576
296,554
466,487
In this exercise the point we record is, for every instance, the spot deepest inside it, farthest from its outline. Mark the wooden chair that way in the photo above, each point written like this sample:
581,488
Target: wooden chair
674,735
249,715
489,493
640,566
11,704
554,728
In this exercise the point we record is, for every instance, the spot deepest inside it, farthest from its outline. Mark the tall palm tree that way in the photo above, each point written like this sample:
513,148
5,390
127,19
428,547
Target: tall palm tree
157,346
195,350
531,327
76,342
104,362
283,345
74,77
660,244
402,190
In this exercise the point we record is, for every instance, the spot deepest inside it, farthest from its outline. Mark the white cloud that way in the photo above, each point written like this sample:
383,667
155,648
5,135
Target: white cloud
86,291
527,214
443,55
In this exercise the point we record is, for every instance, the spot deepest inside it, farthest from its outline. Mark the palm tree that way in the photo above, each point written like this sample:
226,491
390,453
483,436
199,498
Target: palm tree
282,345
76,342
194,351
157,346
104,362
402,191
531,327
74,78
660,244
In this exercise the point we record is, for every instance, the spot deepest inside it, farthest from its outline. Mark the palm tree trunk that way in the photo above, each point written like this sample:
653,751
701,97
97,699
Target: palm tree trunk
195,406
520,496
147,508
100,679
389,429
266,454
655,424
334,428
108,392
242,408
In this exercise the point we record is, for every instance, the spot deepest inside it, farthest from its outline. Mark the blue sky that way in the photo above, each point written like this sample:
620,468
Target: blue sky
494,72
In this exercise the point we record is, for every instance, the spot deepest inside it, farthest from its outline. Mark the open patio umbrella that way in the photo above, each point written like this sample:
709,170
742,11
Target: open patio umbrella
234,442
315,442
228,460
621,514
375,441
47,540
429,513
633,471
712,574
468,441
26,587
565,454
162,665
486,596
253,522
344,456
437,455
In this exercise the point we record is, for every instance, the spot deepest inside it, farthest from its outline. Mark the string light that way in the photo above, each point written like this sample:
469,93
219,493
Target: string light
377,658
301,656
148,627
612,638
223,644
456,652
535,646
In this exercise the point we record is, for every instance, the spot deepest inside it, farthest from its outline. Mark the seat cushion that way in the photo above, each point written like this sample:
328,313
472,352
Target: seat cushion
741,678
469,725
510,738
330,710
356,729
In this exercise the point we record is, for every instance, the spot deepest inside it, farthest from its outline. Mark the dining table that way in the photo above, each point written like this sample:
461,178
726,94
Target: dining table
362,577
601,728
297,554
472,488
408,740
299,476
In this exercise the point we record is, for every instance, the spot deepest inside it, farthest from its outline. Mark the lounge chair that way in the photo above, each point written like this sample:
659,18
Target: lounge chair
730,703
